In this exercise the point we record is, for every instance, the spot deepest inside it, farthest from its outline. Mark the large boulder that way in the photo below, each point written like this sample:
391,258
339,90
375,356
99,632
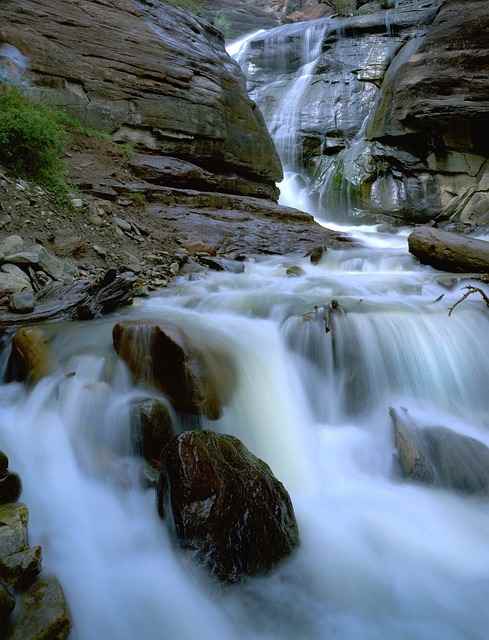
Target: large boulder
30,358
226,505
440,457
150,74
162,355
43,613
7,605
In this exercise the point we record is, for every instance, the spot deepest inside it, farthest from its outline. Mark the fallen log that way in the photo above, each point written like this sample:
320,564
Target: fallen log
81,300
448,251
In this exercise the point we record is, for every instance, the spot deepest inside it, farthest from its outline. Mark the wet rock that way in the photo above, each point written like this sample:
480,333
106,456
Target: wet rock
7,605
316,254
10,488
162,356
13,529
226,505
449,251
9,245
222,264
30,358
122,224
20,570
22,302
152,428
43,613
441,457
295,272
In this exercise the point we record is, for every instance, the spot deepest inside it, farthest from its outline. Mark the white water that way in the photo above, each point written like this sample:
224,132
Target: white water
379,559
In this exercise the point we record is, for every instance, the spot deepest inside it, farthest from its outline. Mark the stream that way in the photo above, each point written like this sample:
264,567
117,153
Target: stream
379,558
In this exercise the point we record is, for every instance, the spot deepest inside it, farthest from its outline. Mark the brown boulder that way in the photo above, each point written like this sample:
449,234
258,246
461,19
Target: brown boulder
152,429
162,356
29,360
226,505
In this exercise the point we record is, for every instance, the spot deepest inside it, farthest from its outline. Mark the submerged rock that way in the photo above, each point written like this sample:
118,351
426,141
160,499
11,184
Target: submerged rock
226,505
152,428
161,355
441,457
43,613
30,358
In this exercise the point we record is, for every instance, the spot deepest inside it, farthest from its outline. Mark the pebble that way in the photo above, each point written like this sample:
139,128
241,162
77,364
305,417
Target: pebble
22,302
122,224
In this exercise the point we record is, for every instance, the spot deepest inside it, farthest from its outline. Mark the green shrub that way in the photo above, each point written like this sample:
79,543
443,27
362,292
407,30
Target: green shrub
32,140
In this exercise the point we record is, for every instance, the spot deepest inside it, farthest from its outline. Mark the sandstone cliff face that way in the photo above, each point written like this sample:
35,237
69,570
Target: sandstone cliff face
150,74
392,120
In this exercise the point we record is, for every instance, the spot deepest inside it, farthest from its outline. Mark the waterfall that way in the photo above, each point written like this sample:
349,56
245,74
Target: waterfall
318,360
314,383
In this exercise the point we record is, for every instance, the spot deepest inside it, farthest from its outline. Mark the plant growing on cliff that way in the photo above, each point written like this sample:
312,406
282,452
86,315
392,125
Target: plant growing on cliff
32,140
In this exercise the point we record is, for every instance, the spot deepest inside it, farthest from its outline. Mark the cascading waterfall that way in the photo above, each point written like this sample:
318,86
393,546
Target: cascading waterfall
319,360
285,116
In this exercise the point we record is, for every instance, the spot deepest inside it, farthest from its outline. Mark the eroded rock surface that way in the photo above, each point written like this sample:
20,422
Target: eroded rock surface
149,74
226,505
438,456
163,356
392,121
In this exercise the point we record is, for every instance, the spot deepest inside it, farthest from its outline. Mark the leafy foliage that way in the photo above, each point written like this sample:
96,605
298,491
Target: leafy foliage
32,139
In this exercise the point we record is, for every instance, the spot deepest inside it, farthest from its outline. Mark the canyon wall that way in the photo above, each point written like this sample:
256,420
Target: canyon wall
389,118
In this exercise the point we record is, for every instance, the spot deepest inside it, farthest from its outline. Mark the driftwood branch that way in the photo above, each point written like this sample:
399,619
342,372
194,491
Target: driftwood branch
81,300
470,290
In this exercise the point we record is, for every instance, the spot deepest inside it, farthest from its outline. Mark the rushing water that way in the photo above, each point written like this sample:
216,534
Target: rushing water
379,559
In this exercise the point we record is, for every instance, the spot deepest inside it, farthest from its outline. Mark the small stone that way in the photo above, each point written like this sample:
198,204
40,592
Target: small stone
7,219
22,302
11,244
100,250
160,282
96,220
174,268
77,203
122,224
295,272
316,254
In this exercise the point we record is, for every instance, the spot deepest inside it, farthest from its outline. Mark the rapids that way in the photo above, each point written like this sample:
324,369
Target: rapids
379,559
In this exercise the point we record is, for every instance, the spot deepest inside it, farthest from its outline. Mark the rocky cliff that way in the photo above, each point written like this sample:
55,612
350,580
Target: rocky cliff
389,115
149,74
203,168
